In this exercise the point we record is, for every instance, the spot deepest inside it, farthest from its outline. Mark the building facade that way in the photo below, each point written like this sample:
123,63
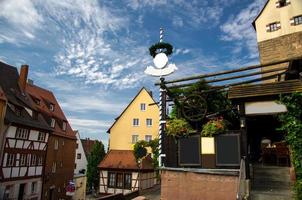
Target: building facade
24,137
119,170
279,31
60,158
80,170
139,121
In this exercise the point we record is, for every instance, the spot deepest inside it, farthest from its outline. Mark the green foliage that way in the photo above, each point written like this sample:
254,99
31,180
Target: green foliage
292,125
95,157
178,127
214,127
166,47
217,102
142,144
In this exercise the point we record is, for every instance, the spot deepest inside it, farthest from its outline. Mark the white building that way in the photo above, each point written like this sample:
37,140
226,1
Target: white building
80,169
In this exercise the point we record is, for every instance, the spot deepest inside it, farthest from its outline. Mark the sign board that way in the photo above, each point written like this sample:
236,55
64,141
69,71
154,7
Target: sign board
228,150
70,189
189,151
264,108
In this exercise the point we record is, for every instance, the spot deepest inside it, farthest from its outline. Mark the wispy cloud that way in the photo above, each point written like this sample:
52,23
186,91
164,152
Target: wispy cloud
238,28
23,19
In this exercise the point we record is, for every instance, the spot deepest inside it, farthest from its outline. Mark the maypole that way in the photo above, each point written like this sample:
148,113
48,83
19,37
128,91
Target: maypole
160,52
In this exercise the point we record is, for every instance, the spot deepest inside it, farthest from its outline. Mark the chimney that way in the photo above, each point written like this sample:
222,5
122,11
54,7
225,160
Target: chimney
23,77
150,93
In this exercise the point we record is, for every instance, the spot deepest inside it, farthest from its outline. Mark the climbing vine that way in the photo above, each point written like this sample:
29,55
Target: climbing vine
292,125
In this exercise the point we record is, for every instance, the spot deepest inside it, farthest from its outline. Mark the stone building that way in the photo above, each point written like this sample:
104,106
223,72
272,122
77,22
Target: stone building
279,33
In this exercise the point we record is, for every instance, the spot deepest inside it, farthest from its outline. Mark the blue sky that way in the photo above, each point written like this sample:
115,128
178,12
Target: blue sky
92,54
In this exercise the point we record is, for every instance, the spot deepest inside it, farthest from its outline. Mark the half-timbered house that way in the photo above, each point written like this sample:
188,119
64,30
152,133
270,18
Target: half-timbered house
24,135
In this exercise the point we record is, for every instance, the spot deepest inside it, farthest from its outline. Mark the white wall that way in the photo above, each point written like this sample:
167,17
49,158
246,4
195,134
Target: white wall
81,163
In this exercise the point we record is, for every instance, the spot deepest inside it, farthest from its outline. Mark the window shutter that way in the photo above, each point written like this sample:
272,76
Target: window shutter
267,28
292,21
278,25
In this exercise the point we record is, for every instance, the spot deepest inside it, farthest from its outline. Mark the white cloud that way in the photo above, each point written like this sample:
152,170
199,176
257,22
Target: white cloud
23,18
239,29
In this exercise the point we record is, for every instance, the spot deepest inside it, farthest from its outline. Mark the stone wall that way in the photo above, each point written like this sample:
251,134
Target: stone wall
281,48
195,186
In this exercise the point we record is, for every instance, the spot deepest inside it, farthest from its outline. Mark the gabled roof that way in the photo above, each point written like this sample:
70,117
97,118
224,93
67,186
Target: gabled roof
254,22
88,145
116,119
46,96
124,160
9,78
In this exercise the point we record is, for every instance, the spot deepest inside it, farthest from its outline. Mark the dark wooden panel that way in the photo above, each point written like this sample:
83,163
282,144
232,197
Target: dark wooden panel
189,151
228,150
170,149
208,161
265,89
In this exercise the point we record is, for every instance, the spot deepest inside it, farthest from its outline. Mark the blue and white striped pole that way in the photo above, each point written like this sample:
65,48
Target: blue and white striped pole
162,122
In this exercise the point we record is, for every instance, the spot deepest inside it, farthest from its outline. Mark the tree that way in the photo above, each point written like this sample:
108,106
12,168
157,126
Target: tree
95,157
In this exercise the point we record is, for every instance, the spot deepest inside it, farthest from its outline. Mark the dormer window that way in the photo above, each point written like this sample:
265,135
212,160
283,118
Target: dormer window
64,126
51,107
282,3
53,122
273,27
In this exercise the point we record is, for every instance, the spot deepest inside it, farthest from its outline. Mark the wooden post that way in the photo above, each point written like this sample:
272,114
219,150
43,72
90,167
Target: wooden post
244,139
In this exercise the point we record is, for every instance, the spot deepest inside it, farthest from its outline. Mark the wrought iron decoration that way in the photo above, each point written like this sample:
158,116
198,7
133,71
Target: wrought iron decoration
194,107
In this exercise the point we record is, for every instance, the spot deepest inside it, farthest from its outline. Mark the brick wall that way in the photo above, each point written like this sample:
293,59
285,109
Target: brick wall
281,48
195,186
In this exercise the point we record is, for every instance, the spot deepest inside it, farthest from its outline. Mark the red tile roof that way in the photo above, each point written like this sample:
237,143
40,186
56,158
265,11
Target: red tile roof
46,97
124,159
87,145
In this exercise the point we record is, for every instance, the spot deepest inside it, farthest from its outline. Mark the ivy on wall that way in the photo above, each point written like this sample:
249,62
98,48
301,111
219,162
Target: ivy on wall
292,125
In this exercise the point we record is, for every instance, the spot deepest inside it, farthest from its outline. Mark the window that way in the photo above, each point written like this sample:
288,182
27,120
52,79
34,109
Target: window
34,187
148,138
64,126
56,147
23,159
127,181
75,165
78,156
61,164
10,160
134,139
51,107
22,133
135,122
53,122
119,180
33,160
41,136
282,3
273,27
40,160
111,179
143,106
149,122
296,20
54,167
77,146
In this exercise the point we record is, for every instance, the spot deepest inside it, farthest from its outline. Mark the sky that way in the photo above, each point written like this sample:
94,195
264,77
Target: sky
92,54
